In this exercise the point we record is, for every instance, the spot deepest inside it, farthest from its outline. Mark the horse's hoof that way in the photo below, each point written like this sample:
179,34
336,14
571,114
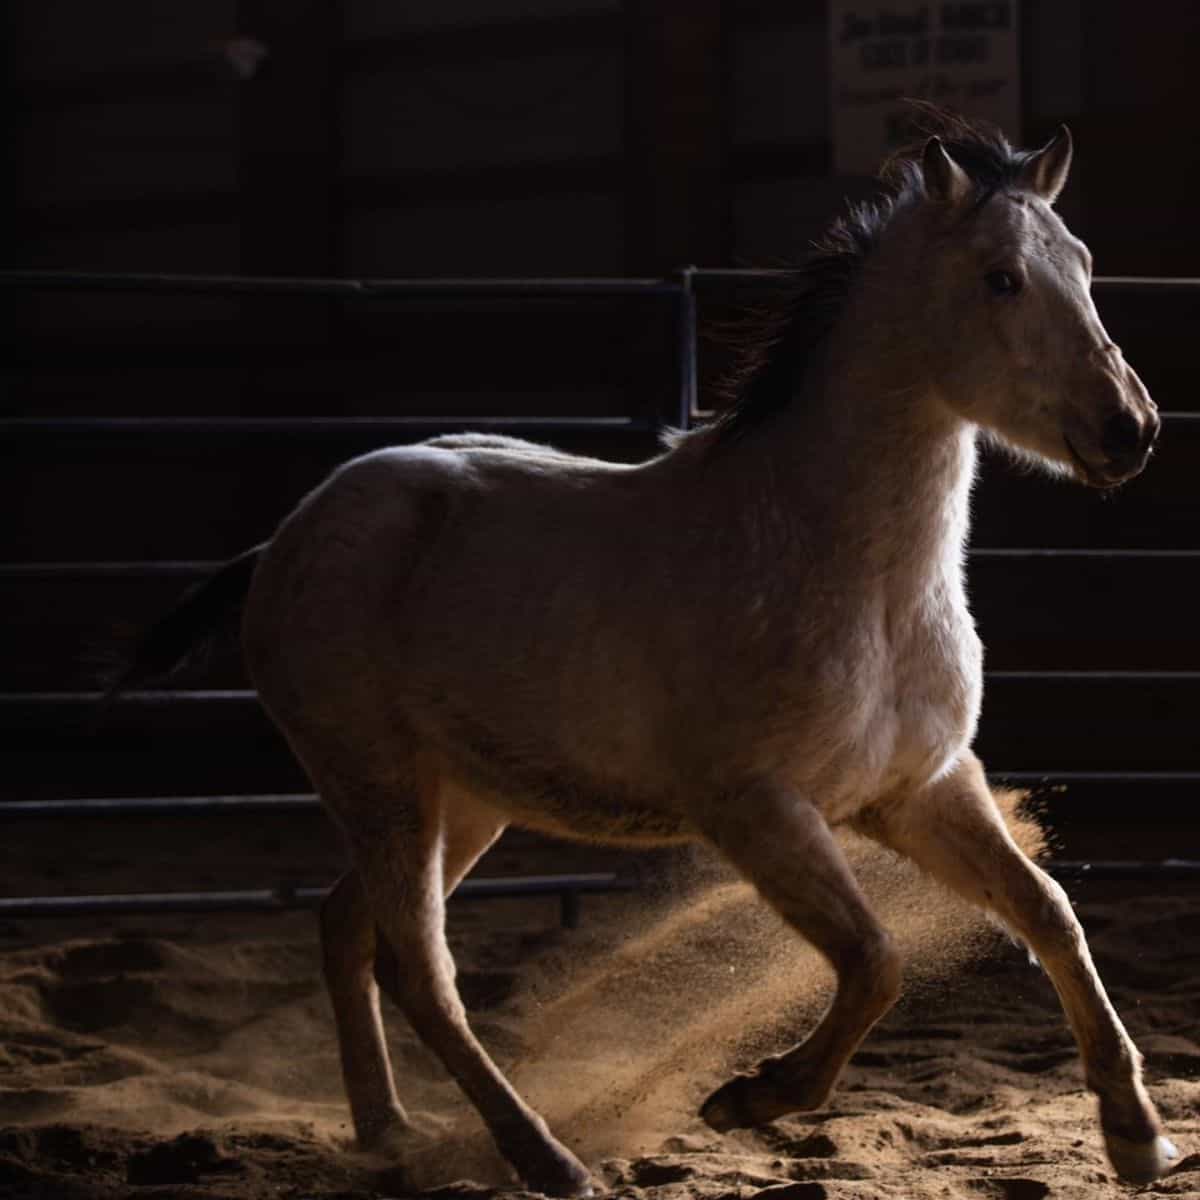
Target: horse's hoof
553,1170
772,1090
567,1179
388,1136
726,1108
1140,1162
742,1103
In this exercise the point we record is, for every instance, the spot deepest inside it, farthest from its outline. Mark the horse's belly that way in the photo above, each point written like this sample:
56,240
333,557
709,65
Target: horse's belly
541,790
567,815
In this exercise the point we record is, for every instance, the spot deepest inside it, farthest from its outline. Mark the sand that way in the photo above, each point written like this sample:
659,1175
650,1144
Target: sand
195,1057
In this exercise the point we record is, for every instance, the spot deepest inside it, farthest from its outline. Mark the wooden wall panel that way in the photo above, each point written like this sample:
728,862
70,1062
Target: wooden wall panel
448,115
288,139
184,247
554,234
367,19
77,156
64,39
780,85
676,134
122,147
1139,152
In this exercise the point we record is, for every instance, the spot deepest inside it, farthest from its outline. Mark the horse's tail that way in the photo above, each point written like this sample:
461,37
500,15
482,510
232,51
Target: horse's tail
199,617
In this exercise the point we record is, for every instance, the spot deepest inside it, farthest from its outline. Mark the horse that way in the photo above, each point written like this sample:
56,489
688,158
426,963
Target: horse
754,637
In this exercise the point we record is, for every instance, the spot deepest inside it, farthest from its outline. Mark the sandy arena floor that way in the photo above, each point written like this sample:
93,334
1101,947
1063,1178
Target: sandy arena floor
195,1058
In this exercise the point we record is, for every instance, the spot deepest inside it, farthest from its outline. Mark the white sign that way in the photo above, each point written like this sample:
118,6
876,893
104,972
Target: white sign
962,56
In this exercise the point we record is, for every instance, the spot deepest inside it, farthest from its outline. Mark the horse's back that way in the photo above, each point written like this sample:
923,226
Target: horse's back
433,600
419,547
417,489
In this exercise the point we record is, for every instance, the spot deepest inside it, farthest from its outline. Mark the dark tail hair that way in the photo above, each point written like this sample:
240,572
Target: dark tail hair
198,618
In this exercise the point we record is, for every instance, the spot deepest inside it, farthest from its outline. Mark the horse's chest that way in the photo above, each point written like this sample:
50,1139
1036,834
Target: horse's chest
935,692
905,707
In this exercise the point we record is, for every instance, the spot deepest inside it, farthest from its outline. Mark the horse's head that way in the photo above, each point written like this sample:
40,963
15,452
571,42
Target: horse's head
1024,353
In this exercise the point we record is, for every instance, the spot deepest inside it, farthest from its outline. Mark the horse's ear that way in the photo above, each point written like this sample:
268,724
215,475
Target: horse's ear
945,181
1045,172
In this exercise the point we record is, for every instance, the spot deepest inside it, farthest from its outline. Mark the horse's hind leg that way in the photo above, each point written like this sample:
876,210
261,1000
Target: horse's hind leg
348,951
467,831
356,959
402,875
783,845
955,832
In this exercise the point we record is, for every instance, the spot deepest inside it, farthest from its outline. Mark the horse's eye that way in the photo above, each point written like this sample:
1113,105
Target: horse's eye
1003,283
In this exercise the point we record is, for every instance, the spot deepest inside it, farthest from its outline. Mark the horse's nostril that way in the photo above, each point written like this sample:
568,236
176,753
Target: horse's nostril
1122,435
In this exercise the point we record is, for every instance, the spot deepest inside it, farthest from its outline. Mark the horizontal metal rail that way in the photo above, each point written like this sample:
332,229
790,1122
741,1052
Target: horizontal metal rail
568,889
1030,778
293,802
462,287
1124,283
1181,869
200,567
156,697
515,288
158,806
321,427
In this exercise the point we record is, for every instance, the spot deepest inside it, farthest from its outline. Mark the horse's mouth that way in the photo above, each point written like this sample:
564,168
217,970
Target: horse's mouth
1089,475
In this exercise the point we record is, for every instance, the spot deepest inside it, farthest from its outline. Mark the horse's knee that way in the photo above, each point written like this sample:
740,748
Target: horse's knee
1048,922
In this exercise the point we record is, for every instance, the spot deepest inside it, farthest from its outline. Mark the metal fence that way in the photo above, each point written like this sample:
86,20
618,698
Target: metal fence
681,289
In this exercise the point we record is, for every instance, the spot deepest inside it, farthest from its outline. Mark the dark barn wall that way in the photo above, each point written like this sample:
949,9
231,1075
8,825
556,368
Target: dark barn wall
1138,119
414,139
1123,79
466,137
483,138
125,136
477,137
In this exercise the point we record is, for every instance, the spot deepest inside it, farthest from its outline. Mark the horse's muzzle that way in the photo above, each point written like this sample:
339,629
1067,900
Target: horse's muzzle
1108,451
1126,441
1124,448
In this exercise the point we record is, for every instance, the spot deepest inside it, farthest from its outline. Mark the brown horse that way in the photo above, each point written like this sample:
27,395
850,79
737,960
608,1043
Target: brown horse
756,636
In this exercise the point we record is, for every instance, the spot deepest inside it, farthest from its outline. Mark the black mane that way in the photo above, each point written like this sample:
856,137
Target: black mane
773,344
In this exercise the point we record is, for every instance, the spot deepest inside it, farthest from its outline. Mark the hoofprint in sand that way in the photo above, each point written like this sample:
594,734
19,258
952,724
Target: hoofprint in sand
196,1059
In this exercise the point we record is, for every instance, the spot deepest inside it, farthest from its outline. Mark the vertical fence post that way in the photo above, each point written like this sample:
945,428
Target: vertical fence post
685,316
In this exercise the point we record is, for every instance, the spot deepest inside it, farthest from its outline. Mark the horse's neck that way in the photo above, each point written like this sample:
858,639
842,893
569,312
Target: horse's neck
903,468
863,480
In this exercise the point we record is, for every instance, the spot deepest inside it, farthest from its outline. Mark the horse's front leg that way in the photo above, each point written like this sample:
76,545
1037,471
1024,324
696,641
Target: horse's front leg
782,844
954,831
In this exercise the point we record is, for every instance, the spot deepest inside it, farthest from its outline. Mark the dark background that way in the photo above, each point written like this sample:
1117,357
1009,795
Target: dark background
488,137
491,137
